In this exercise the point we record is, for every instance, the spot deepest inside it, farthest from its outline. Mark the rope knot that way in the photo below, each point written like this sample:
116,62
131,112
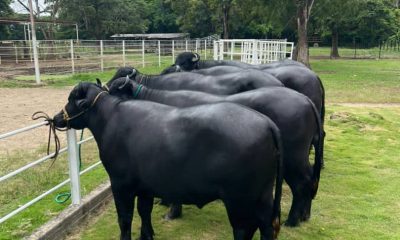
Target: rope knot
52,130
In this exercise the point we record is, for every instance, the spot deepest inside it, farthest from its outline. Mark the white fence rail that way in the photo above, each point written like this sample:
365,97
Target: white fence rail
253,51
71,56
74,174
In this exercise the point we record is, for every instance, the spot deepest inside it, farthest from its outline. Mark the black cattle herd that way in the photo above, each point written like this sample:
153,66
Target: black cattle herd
207,130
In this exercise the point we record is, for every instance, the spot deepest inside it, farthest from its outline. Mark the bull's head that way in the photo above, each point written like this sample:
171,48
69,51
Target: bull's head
125,88
81,99
123,72
188,61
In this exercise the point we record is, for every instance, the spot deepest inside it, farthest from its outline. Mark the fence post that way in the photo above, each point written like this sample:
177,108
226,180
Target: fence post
159,53
215,50
186,46
205,48
232,49
143,53
73,160
173,51
123,53
101,56
196,45
16,53
255,55
72,56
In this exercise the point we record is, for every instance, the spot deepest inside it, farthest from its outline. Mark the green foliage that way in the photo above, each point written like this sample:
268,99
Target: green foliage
162,17
101,18
369,21
5,11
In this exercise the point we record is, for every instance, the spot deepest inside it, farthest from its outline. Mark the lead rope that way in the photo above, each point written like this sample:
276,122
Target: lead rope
52,130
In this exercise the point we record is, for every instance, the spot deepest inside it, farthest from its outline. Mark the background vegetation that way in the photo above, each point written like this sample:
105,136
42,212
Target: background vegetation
373,21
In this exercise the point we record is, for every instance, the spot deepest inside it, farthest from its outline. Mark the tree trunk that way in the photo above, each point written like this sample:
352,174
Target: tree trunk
303,14
335,42
225,20
302,44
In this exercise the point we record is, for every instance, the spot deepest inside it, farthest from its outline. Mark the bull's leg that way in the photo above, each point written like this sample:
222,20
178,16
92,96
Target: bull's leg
269,227
301,203
174,212
144,207
243,220
124,202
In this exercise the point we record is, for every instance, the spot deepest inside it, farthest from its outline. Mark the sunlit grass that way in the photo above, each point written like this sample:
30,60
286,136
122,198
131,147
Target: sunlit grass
374,81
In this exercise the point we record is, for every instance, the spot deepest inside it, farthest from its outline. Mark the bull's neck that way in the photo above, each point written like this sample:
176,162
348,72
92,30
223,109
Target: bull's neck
100,114
147,80
159,96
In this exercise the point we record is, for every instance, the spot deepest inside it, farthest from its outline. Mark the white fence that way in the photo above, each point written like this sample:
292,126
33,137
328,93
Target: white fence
71,56
74,174
253,51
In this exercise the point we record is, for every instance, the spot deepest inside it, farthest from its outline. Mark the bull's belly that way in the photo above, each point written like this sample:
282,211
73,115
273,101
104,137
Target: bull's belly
185,195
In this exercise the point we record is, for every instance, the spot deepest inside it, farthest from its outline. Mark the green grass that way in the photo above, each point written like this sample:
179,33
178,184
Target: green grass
358,196
25,81
22,188
374,81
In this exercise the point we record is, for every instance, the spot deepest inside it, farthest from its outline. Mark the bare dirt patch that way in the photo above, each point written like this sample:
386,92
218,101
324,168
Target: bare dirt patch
16,108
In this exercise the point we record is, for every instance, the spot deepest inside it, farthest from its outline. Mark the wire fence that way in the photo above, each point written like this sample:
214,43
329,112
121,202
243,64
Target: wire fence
360,49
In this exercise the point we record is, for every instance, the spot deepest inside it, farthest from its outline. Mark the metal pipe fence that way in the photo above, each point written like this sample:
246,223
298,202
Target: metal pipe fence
253,51
74,172
72,56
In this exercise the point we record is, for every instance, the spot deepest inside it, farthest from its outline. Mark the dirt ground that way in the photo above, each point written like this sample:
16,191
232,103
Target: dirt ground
18,104
16,108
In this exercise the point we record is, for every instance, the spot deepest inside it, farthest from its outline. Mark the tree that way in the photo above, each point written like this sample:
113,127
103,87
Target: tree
196,17
101,18
302,17
162,17
335,16
5,11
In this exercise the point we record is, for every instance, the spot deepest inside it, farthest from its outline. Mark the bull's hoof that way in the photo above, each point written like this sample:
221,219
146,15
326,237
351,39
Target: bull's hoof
305,217
146,238
170,216
292,223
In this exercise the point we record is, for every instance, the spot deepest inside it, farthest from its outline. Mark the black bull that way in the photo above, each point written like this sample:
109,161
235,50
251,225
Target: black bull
295,115
292,74
222,85
192,155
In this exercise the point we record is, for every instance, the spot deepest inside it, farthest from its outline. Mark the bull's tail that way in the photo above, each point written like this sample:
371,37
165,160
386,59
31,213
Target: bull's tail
323,103
318,141
276,214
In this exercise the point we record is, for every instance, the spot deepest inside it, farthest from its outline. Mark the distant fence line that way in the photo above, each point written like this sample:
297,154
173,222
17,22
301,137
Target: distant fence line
70,56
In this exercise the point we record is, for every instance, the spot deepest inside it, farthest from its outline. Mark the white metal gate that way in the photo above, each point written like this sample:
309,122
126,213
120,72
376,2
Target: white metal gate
253,51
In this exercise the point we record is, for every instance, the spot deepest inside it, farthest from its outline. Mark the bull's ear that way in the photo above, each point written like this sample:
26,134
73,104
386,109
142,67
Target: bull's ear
82,104
99,82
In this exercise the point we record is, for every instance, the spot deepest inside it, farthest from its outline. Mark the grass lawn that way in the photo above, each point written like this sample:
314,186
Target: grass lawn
374,81
357,199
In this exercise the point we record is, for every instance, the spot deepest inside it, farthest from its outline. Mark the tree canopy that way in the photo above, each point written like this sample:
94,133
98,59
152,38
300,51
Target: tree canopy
336,21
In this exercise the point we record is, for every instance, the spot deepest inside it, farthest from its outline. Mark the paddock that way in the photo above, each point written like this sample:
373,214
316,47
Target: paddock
358,195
